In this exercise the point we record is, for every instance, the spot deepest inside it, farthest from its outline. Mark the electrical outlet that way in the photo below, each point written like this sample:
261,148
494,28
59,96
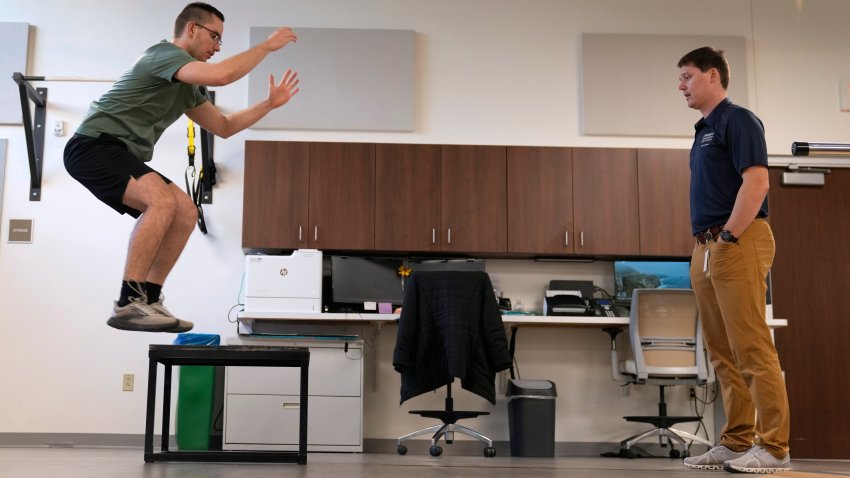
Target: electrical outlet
692,393
58,128
127,383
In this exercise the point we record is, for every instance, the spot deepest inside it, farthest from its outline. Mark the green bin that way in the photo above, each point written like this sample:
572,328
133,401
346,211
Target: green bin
195,397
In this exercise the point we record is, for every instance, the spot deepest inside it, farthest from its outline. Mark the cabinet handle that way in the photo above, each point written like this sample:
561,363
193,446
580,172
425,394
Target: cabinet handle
566,237
582,239
291,405
450,235
299,233
315,233
433,235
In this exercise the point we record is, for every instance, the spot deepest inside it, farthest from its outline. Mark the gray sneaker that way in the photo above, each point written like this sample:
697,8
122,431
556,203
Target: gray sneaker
758,460
139,316
712,459
180,327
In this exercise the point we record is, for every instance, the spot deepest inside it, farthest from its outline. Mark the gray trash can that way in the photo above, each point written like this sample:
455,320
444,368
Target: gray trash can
531,417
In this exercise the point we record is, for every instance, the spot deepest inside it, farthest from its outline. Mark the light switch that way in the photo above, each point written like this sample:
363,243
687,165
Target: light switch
844,96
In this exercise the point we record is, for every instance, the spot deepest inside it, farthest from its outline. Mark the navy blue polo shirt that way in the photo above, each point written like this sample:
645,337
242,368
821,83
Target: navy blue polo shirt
728,141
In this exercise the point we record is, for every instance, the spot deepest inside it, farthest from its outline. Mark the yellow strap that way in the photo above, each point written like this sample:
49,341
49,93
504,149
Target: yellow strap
190,133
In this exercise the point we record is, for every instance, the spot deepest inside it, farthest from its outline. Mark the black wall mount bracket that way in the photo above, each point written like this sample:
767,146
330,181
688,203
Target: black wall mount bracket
34,127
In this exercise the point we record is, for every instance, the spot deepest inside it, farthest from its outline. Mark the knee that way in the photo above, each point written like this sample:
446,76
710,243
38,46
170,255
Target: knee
165,204
187,212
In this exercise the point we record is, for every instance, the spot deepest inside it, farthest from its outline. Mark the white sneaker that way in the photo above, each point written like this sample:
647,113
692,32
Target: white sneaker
712,459
758,460
139,316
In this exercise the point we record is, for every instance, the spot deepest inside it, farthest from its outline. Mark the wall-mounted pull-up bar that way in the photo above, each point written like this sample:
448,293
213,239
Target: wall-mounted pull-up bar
34,126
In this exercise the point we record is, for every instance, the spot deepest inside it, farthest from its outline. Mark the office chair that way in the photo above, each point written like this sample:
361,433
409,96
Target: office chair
450,327
668,349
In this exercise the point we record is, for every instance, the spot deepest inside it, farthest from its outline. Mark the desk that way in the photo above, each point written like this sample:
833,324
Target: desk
248,322
227,355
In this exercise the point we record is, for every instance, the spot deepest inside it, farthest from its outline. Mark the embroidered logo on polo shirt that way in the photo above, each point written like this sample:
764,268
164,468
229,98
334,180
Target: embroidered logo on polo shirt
706,139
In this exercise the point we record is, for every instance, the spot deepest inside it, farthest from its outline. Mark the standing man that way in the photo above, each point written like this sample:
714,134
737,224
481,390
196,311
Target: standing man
111,148
732,256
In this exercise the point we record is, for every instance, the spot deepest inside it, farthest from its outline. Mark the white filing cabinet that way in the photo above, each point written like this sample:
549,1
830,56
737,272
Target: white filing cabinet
261,404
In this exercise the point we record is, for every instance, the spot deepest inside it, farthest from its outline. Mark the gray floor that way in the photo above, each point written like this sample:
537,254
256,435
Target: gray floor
128,463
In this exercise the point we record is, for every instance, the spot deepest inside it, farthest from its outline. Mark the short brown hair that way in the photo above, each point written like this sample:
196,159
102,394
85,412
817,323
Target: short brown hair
195,12
706,58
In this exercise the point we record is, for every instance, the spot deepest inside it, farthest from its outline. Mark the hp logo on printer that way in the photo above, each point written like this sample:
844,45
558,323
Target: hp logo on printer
284,272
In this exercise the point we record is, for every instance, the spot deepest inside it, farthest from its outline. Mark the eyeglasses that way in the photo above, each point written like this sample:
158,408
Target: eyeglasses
216,36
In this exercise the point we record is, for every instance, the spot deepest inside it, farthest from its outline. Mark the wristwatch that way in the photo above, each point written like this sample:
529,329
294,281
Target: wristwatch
727,236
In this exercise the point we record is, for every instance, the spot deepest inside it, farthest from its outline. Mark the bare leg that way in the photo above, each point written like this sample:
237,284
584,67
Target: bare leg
175,238
153,197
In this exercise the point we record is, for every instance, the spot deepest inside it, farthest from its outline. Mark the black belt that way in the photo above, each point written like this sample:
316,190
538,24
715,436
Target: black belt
709,234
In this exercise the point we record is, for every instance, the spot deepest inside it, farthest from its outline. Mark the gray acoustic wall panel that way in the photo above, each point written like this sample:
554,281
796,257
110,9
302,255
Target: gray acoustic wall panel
629,82
351,79
14,45
2,174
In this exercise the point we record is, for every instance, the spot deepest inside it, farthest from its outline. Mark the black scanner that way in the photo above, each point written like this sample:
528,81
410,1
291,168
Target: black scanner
568,304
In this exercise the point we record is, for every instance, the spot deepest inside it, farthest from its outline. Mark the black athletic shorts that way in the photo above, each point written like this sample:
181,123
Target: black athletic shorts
104,166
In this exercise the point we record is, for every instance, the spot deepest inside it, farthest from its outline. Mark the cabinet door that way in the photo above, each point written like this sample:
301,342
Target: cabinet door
271,422
333,372
474,198
342,196
407,197
540,200
605,201
664,177
274,210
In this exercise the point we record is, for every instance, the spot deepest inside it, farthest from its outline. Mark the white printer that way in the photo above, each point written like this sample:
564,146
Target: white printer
284,283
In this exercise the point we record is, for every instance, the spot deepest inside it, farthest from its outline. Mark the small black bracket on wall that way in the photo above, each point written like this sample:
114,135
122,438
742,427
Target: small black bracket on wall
33,127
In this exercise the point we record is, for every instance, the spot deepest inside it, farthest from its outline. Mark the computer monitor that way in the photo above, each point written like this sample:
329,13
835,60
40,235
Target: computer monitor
448,265
355,280
630,275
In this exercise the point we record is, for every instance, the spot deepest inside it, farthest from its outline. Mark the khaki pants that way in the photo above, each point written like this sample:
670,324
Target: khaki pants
731,301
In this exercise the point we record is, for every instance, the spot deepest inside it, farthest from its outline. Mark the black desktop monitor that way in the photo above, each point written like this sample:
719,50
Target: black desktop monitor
630,275
355,280
448,265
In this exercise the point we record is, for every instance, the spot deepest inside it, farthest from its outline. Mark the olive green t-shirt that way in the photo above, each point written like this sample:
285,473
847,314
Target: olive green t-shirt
144,101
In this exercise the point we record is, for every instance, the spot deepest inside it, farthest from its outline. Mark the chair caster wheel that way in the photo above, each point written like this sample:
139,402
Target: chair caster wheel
489,452
674,453
627,453
402,450
436,450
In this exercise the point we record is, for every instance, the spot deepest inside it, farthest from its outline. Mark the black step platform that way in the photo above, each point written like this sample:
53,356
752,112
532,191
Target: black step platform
229,356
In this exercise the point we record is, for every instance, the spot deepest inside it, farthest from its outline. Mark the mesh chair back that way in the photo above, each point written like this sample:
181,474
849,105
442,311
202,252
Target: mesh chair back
665,335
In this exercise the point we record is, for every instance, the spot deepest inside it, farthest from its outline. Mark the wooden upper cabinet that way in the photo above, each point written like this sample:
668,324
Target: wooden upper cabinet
342,196
664,177
466,199
407,197
474,199
540,200
274,208
605,201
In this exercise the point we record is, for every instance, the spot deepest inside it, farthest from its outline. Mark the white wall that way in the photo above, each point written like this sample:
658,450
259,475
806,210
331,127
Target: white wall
489,72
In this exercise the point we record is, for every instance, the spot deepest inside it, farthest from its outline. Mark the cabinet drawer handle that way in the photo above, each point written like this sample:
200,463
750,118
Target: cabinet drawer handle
582,239
291,405
299,233
433,235
450,235
566,237
315,233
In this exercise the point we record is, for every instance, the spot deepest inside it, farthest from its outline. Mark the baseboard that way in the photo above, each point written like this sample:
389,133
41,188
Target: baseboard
79,439
474,448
